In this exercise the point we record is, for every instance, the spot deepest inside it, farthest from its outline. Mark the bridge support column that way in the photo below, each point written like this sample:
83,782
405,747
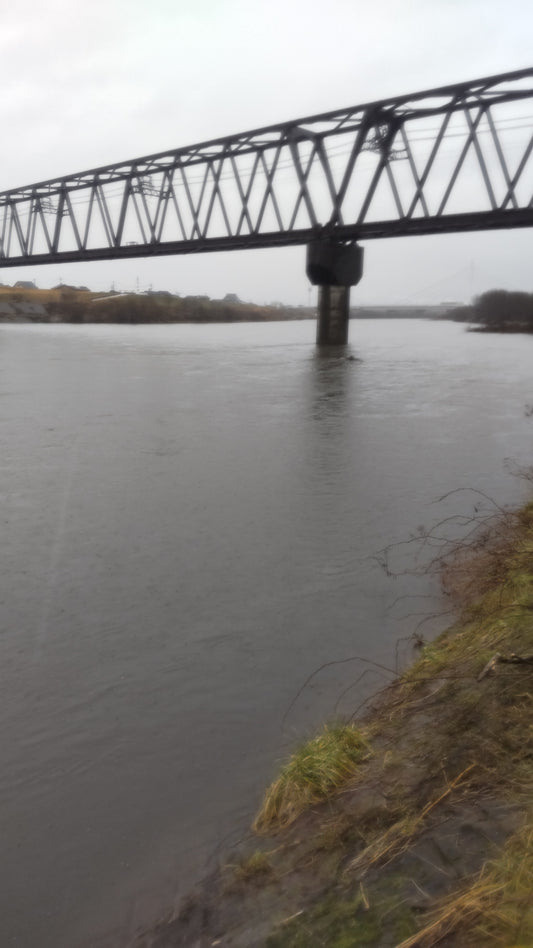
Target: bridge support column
334,267
333,314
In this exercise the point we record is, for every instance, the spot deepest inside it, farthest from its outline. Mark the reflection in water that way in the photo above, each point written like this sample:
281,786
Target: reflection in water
331,402
331,379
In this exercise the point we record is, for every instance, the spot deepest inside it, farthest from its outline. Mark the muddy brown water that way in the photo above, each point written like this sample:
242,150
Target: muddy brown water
188,521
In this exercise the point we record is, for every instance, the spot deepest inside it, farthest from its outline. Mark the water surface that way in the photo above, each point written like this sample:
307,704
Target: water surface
189,517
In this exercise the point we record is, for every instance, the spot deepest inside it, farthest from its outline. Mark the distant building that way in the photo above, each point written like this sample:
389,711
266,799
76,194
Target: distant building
25,285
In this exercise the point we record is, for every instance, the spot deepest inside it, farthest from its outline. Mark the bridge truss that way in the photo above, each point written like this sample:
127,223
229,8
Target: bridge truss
456,158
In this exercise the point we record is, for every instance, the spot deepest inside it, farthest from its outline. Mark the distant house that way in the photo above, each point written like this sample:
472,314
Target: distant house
25,285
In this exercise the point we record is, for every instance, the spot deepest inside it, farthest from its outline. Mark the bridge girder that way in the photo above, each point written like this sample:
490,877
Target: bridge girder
456,158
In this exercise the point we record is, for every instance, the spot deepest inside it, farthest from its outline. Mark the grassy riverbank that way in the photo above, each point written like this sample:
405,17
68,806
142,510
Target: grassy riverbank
415,827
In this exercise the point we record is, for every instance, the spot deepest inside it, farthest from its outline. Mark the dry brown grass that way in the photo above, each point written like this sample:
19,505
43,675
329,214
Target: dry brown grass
398,837
496,909
44,296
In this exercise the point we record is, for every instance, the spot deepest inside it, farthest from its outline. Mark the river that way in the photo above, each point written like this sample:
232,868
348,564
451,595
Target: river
189,517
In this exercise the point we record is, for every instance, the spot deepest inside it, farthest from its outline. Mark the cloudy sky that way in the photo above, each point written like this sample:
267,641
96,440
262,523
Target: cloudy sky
86,84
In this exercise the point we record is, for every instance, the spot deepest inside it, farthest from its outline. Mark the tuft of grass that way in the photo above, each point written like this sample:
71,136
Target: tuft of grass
313,772
256,868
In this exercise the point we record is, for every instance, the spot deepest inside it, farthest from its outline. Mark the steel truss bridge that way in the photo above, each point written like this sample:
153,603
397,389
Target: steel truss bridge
456,158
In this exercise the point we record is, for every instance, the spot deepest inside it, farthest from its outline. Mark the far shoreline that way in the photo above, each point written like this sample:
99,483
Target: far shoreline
79,305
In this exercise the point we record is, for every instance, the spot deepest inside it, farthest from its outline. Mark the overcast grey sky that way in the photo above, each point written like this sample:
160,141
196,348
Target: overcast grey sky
86,84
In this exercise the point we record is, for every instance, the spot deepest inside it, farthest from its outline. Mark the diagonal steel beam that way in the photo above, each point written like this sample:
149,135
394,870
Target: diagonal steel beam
460,162
499,152
269,190
303,194
480,158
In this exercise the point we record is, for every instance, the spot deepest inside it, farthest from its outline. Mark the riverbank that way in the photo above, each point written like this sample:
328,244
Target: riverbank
428,838
66,304
497,311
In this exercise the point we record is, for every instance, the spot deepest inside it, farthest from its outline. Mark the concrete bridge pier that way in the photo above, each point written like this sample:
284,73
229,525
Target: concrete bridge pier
334,267
333,314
